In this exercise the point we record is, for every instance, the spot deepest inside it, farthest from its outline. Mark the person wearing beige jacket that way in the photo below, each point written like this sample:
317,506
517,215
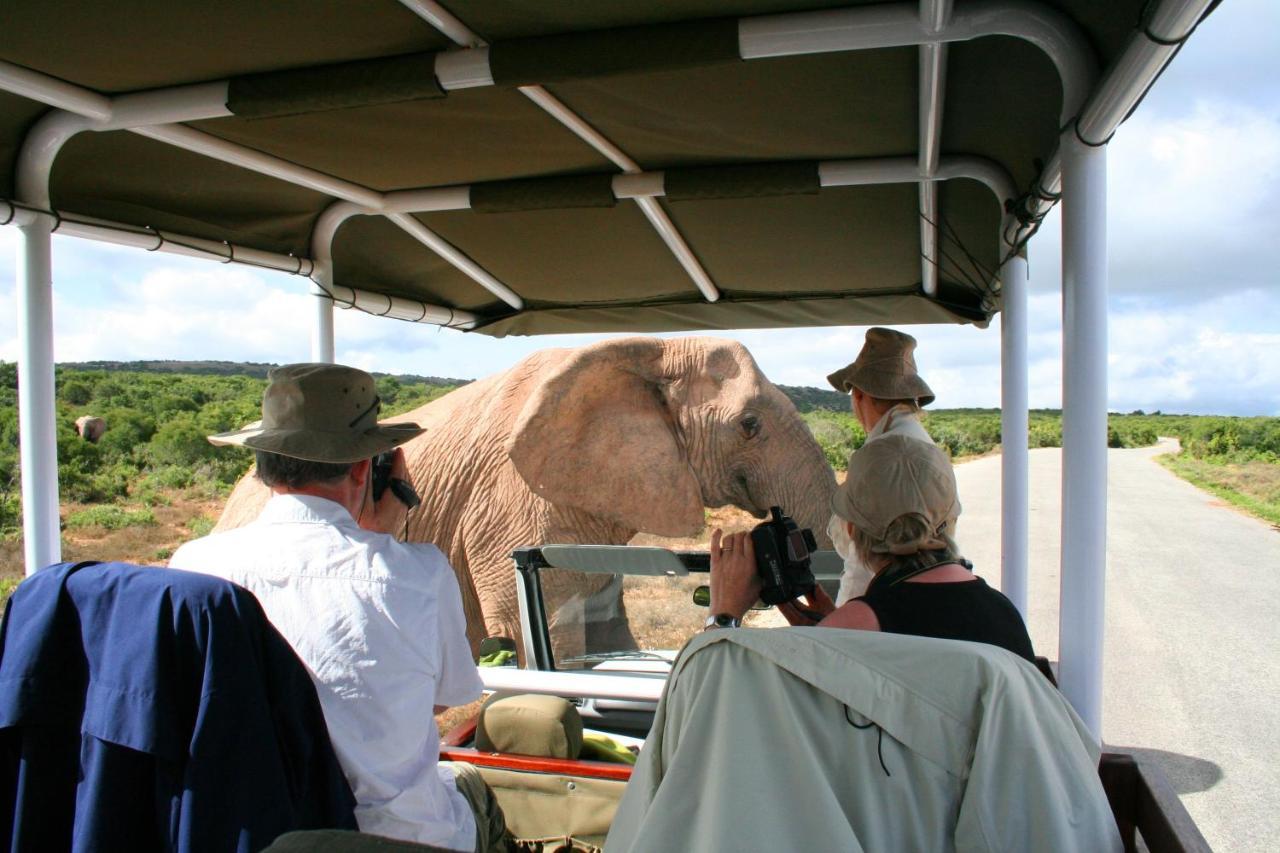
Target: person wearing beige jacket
886,394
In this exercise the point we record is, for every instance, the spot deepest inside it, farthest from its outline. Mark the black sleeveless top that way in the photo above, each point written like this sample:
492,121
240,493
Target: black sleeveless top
963,610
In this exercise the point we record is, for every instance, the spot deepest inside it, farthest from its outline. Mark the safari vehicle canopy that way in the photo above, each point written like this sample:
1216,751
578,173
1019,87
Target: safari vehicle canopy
522,168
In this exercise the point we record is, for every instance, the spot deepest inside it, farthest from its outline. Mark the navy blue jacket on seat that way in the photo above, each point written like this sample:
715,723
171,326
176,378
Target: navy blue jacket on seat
149,709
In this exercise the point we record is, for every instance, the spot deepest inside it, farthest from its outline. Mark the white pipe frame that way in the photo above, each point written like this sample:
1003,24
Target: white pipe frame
1014,428
467,68
934,15
1084,404
153,113
1127,80
1084,427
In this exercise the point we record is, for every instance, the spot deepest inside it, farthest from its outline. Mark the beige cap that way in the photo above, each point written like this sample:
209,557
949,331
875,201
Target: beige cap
885,369
321,413
893,476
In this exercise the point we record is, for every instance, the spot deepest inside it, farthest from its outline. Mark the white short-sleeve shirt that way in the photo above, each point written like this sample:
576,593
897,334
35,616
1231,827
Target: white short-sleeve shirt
379,624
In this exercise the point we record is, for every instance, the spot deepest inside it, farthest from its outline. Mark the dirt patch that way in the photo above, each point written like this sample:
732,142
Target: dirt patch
179,517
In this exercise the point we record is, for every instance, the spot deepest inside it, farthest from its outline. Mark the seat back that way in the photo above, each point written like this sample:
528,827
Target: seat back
150,709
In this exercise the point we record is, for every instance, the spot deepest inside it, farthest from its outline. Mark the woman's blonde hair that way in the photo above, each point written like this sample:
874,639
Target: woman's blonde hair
900,536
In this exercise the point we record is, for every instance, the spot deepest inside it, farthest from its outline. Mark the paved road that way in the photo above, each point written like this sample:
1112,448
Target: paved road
1192,648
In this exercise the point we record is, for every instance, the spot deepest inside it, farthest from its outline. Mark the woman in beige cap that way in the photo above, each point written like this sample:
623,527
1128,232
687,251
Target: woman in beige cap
886,394
894,507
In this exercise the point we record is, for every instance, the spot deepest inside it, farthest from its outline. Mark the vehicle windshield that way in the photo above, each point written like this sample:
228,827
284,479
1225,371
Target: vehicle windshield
590,628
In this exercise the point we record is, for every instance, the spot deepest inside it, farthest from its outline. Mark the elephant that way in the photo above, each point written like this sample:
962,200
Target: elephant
593,445
90,428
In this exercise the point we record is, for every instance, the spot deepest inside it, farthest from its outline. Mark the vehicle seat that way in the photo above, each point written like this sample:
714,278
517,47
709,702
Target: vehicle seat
553,804
529,724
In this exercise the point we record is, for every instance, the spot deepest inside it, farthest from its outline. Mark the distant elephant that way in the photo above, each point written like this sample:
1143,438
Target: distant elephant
90,428
592,445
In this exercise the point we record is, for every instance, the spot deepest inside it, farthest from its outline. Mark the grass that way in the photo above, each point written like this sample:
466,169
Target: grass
1253,486
110,517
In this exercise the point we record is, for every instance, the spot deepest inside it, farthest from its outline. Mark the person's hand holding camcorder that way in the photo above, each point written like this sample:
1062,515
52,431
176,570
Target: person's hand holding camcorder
735,584
388,512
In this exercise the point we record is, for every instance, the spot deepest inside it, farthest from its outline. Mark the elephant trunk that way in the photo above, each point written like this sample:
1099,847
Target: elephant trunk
803,485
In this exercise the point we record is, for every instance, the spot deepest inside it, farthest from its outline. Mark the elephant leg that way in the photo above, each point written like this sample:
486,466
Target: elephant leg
586,613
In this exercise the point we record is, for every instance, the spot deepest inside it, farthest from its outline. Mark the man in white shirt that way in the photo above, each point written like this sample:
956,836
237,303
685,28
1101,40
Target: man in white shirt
378,622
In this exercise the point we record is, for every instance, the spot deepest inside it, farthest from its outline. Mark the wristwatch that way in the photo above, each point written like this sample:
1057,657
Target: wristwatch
722,620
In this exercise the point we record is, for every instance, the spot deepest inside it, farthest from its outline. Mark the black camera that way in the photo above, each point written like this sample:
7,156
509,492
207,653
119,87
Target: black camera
382,480
782,558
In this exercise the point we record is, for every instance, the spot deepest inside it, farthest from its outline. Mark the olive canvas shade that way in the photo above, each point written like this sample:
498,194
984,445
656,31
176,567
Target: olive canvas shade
346,90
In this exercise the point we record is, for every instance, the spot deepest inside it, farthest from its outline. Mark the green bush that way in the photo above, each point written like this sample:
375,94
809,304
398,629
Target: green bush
180,441
1044,433
201,525
837,433
110,517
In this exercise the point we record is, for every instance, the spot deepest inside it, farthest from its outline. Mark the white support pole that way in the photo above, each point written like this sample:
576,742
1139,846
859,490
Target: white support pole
37,427
322,350
1084,426
1014,458
934,15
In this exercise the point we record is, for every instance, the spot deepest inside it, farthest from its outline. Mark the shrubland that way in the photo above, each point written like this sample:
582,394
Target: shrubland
155,445
154,477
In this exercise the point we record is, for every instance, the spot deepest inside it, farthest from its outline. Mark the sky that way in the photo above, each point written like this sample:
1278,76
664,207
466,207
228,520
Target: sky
1194,287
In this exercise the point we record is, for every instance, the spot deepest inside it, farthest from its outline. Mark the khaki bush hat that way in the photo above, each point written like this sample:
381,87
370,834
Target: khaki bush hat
893,476
320,413
885,369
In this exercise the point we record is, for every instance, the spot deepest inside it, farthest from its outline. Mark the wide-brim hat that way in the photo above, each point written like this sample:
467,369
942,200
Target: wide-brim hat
896,475
885,369
320,413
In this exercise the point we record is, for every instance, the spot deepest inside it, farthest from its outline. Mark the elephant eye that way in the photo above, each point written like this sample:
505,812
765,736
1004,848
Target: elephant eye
750,425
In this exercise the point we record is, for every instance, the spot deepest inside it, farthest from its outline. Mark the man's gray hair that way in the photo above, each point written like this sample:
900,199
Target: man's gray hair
277,470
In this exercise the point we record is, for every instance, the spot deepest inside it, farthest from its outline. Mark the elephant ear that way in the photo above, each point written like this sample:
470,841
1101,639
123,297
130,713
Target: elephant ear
597,435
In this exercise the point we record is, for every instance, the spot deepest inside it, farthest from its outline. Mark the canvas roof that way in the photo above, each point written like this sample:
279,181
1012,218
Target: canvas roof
781,250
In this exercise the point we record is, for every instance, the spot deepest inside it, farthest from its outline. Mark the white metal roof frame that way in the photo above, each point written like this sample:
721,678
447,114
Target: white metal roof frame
1077,173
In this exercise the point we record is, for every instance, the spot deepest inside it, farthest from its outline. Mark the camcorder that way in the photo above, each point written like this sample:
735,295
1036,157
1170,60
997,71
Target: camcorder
782,558
382,480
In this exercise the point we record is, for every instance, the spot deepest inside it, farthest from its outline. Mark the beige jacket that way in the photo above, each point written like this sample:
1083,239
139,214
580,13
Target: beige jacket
827,739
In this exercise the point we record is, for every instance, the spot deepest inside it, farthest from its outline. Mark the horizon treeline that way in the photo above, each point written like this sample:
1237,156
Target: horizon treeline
158,415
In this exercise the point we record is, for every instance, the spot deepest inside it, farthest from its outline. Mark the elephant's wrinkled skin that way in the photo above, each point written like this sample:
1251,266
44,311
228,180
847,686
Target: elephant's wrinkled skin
593,445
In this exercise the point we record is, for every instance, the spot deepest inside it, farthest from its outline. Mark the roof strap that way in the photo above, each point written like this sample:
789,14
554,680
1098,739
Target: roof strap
750,181
364,82
660,47
558,193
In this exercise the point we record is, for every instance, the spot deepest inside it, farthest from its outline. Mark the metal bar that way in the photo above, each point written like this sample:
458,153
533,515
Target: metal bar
444,21
1084,426
457,258
857,28
322,348
934,15
595,684
1014,456
37,425
105,231
54,92
1126,81
556,108
899,25
168,106
265,164
398,308
652,211
675,242
460,72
